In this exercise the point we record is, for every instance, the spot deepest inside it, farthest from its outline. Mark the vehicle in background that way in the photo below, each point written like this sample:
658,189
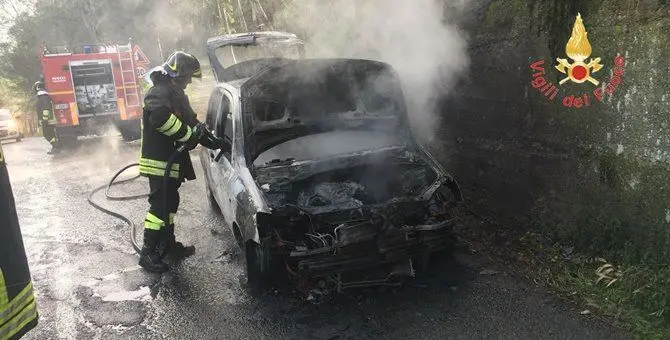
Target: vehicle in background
95,87
8,128
325,178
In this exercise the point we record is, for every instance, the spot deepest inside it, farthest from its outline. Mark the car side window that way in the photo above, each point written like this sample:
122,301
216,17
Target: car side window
224,126
213,109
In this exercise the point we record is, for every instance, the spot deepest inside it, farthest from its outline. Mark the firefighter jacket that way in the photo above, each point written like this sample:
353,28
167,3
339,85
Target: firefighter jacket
44,109
18,311
167,122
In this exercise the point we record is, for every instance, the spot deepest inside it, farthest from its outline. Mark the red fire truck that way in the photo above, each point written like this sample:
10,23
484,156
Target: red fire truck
94,87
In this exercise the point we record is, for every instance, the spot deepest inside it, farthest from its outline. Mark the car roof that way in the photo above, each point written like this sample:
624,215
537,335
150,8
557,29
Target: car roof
250,38
237,83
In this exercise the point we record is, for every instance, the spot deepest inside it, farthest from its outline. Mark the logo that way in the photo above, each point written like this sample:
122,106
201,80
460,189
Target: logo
580,70
578,49
58,79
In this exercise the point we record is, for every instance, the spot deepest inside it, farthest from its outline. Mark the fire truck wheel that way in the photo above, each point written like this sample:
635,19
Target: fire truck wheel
67,141
130,135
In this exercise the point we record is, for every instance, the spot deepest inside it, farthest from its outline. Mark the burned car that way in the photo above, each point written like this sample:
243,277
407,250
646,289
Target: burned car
324,177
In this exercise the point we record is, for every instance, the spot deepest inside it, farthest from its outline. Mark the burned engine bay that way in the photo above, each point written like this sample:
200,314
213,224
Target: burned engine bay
357,220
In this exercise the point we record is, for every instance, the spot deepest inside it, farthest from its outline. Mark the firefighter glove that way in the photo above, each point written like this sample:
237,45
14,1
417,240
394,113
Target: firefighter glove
197,133
210,141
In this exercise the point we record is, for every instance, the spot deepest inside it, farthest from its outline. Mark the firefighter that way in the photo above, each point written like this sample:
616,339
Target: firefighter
46,117
18,311
169,122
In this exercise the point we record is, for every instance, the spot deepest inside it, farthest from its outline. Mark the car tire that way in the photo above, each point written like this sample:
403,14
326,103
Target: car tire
258,261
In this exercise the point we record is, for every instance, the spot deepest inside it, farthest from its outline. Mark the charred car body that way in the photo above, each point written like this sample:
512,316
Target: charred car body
324,175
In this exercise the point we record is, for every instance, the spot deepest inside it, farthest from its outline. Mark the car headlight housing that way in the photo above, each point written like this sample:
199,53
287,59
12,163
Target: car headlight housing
11,125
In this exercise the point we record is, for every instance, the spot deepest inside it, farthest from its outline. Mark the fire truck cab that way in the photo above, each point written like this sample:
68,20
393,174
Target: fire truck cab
95,87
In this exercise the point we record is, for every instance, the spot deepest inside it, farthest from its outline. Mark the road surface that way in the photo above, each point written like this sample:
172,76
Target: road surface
89,286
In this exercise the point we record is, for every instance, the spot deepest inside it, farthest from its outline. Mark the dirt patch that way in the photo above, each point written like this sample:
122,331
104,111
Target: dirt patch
102,313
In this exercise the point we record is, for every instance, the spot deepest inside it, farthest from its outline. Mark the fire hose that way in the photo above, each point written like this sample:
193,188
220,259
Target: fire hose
108,186
126,219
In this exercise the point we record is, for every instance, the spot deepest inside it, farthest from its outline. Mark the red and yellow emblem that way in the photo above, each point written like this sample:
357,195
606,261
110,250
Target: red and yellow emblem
578,49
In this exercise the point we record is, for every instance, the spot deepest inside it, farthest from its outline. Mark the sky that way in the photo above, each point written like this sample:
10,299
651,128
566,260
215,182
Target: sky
8,12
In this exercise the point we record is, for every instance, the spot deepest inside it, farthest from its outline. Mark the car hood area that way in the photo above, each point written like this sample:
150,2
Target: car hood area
310,96
357,218
346,181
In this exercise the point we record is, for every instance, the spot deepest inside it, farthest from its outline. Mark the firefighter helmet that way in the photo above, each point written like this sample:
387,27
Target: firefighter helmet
38,86
182,64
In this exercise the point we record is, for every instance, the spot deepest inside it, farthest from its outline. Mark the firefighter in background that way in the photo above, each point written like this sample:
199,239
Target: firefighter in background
169,122
18,310
46,117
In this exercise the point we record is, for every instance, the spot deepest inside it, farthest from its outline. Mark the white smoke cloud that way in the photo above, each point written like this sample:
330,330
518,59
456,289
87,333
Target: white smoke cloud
414,36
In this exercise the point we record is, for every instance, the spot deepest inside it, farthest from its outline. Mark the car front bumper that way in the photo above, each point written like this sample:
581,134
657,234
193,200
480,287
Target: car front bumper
364,254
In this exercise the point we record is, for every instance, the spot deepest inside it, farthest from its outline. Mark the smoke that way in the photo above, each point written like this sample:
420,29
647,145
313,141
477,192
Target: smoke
427,49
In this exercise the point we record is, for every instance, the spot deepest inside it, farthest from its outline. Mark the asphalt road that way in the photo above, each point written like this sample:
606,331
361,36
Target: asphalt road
89,286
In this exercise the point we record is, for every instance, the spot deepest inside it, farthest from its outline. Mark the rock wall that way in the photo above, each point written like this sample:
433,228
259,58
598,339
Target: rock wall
588,173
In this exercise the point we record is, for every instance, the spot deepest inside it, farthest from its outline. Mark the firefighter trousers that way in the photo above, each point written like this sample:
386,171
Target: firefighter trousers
154,220
49,133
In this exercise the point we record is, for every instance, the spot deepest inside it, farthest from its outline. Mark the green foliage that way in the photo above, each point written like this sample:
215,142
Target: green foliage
617,206
636,295
620,211
609,196
14,98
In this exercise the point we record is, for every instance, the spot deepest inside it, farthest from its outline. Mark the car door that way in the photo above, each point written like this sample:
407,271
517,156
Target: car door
223,173
213,108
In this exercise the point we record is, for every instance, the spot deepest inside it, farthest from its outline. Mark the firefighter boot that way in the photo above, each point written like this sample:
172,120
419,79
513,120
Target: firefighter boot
174,249
150,258
55,149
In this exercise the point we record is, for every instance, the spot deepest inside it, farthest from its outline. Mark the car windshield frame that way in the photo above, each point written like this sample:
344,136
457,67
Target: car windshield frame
262,135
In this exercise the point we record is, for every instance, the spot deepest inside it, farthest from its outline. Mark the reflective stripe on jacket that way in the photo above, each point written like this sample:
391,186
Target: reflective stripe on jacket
44,106
18,310
167,122
17,313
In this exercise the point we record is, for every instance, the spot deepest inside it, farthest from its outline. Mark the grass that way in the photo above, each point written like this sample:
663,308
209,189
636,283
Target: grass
605,241
635,296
